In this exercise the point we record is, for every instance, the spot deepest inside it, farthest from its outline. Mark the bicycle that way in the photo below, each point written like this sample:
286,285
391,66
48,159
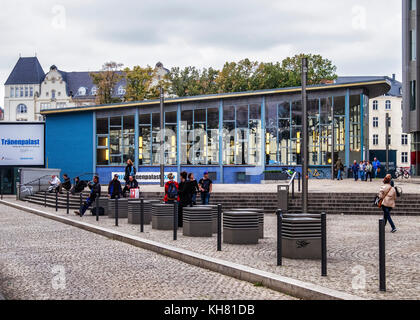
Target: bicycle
316,174
403,173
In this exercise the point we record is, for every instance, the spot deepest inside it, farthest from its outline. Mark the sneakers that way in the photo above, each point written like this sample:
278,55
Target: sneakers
77,213
393,231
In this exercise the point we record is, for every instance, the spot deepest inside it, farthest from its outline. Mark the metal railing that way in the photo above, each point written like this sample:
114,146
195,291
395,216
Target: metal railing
295,176
29,186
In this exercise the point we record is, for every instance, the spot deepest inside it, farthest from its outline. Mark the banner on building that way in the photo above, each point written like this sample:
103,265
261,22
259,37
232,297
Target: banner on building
146,177
22,144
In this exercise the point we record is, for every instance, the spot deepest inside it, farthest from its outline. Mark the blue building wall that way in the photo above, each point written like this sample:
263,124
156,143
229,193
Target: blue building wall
70,143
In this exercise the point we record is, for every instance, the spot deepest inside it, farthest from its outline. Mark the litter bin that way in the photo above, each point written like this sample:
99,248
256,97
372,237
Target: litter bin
283,197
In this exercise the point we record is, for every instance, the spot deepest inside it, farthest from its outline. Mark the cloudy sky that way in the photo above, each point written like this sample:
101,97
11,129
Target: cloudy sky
360,37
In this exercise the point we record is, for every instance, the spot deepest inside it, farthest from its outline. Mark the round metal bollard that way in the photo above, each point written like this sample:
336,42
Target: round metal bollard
260,218
162,216
122,208
198,222
240,227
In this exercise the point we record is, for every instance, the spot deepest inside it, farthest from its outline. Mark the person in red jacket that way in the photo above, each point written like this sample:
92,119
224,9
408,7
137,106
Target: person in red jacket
171,190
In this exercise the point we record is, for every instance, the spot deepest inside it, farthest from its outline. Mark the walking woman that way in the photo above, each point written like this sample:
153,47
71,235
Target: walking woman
388,196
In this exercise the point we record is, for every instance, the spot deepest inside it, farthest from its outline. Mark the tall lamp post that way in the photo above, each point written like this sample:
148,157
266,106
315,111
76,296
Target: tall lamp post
387,119
305,137
162,72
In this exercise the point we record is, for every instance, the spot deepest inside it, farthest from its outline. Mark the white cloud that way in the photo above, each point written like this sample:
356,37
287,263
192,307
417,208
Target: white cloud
361,37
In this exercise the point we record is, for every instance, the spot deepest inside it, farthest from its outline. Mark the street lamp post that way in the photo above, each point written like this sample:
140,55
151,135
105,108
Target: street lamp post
162,138
305,137
387,141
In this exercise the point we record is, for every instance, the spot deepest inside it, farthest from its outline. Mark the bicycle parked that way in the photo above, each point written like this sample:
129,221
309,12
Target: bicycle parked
403,173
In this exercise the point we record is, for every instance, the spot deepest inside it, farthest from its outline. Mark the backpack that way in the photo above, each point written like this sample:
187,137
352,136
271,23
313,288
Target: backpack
398,191
172,192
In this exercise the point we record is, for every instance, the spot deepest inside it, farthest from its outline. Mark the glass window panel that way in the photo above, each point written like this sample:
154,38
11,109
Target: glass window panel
156,121
115,121
271,146
200,115
242,117
255,112
144,119
213,118
229,113
187,119
103,141
284,110
229,143
128,124
313,107
297,113
170,144
145,146
339,105
102,126
271,116
102,157
212,151
170,117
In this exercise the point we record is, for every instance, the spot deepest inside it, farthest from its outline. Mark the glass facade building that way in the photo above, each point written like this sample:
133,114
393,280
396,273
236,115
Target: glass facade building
236,137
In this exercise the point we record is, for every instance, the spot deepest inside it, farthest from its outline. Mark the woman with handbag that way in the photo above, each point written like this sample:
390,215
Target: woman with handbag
387,196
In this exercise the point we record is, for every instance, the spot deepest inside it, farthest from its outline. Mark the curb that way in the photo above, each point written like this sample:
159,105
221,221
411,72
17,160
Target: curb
292,287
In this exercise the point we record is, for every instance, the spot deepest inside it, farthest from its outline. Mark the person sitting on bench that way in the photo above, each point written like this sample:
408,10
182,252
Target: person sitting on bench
79,186
95,192
131,184
66,183
55,185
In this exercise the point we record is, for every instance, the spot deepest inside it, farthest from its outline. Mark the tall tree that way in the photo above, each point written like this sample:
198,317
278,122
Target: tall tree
319,70
236,77
191,81
106,81
139,84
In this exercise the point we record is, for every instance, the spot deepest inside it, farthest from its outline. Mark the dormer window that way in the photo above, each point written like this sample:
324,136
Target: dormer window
12,92
121,91
82,91
22,109
52,94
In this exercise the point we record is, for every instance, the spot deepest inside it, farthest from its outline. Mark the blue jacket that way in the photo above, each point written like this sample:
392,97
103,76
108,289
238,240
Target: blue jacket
355,167
376,164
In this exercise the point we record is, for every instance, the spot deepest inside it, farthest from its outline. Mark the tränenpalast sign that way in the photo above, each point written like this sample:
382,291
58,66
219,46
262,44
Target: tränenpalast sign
146,177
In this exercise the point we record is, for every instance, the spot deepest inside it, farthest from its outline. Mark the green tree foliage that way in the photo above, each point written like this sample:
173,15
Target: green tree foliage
191,81
319,70
106,81
139,84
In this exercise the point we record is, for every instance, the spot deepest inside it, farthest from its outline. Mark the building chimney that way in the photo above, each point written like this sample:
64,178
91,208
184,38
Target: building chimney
393,76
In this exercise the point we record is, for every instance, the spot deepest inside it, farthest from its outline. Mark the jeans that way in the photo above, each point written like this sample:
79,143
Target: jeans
387,216
194,199
356,175
339,175
369,175
362,175
86,206
205,198
376,172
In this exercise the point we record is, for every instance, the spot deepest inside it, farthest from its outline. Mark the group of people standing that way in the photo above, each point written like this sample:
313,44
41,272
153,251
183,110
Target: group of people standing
366,170
185,192
363,171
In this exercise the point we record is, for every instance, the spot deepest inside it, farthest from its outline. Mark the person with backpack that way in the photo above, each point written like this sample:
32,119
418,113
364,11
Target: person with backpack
130,170
114,188
95,192
171,190
206,187
369,171
388,195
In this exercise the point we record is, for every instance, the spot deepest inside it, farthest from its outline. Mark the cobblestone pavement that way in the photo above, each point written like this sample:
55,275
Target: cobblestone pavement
36,252
314,186
352,253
